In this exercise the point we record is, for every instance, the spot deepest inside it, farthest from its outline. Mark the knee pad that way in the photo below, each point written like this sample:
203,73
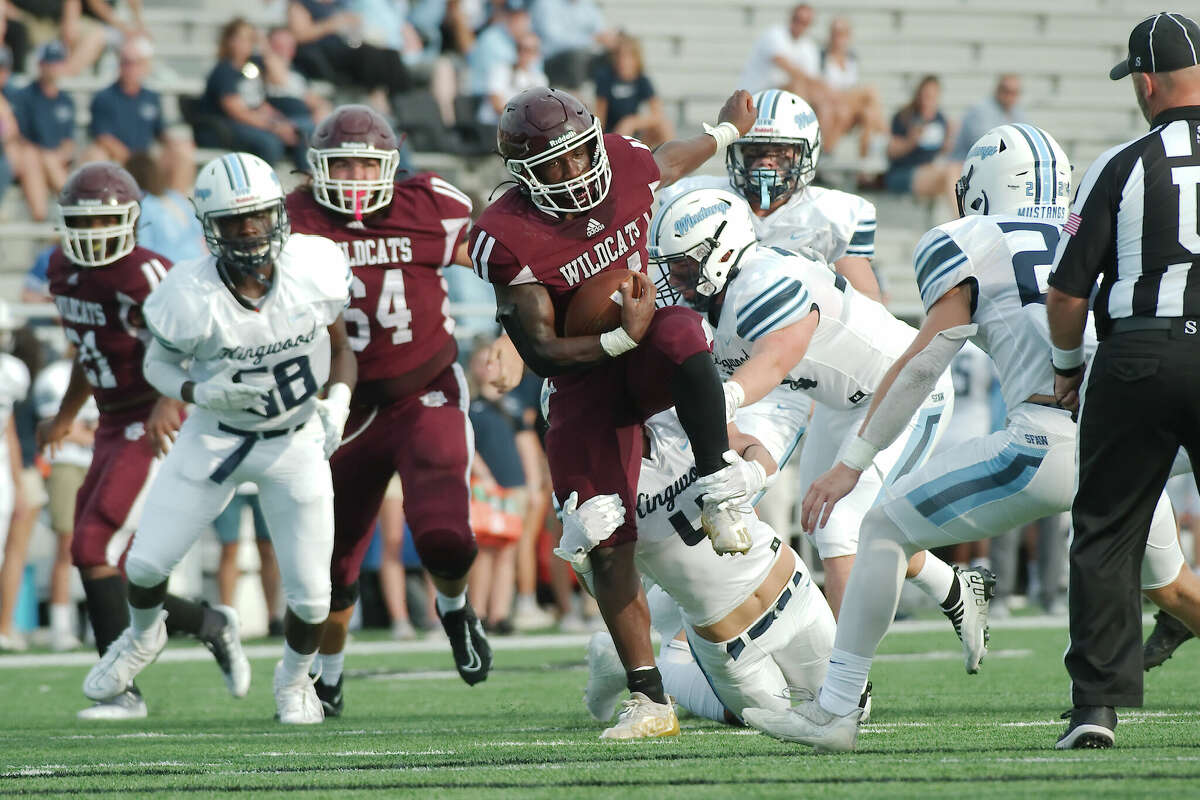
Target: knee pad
314,610
143,573
343,597
446,553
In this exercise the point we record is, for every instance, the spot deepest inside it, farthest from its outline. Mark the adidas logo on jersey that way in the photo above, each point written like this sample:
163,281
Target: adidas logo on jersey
594,227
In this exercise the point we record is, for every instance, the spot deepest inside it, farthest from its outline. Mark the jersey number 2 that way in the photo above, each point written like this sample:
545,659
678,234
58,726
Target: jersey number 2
1031,263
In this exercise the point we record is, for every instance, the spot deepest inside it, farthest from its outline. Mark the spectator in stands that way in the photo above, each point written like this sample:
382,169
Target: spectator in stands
287,89
15,35
10,134
496,45
168,223
999,109
459,25
787,57
228,526
507,80
65,21
126,117
46,116
854,104
626,102
574,35
102,15
331,48
235,90
921,135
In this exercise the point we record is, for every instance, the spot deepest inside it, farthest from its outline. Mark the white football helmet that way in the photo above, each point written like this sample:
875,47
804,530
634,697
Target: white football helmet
696,242
50,387
1016,169
240,185
785,121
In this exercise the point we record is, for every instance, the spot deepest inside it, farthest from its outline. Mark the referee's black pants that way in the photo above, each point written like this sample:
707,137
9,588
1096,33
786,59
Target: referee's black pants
1141,403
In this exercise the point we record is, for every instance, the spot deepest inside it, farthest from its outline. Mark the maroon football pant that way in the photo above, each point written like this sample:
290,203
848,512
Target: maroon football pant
427,439
594,444
121,461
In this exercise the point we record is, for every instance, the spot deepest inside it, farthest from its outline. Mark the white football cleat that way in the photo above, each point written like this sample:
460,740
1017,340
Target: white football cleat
296,702
127,705
606,677
970,614
642,718
226,648
725,525
808,723
124,659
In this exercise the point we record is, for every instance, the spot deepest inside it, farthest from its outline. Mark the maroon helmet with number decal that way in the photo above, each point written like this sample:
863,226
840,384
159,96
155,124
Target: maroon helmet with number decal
98,208
540,125
354,131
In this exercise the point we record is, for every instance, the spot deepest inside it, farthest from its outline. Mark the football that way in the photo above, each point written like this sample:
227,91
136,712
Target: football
596,306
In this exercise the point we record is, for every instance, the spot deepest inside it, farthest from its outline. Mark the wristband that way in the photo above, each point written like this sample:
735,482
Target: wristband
859,454
1066,359
735,395
616,342
725,134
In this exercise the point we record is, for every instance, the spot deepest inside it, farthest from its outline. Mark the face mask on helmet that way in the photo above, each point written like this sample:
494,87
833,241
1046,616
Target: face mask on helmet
570,177
95,236
354,180
682,278
767,172
247,240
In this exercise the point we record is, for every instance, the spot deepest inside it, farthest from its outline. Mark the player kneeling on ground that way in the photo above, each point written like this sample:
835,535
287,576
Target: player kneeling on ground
249,335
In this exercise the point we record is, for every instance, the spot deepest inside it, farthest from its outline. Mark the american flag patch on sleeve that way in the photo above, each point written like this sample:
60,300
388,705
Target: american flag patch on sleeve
1071,226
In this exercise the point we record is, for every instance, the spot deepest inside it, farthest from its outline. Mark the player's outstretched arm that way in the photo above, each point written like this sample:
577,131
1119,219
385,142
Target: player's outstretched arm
773,356
679,157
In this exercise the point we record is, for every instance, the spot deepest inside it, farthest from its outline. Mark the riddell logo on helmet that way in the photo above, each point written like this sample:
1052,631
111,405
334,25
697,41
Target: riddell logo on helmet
564,137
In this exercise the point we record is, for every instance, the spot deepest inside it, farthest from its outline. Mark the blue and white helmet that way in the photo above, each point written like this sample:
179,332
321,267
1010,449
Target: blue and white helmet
785,120
696,242
238,185
1016,169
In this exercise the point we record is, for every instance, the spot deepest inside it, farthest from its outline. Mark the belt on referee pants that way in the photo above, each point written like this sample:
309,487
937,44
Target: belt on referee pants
735,647
1131,324
226,467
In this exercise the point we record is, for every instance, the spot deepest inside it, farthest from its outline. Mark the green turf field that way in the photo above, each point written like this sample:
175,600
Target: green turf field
412,728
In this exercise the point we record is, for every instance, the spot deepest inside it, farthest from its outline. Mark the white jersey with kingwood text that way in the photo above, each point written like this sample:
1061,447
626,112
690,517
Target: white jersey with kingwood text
831,223
855,342
1009,259
281,346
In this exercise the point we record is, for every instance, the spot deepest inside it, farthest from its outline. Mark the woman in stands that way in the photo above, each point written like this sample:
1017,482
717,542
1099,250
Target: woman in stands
626,102
921,137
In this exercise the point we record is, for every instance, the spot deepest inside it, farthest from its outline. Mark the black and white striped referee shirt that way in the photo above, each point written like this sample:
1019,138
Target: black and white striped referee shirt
1136,221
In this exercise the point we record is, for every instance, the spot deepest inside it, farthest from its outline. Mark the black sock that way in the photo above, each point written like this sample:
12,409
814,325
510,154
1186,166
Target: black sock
954,596
107,609
186,616
700,404
648,681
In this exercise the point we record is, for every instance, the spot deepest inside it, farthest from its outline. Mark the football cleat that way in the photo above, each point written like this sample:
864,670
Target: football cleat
127,705
296,701
864,703
468,642
969,615
13,643
606,677
124,659
226,648
1091,728
808,723
642,718
725,525
64,641
1162,642
330,696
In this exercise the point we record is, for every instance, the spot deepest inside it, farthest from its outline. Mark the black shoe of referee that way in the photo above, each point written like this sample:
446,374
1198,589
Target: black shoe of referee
1167,635
472,653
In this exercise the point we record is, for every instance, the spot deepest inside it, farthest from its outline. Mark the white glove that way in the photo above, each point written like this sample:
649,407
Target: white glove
734,396
741,479
221,393
333,411
587,525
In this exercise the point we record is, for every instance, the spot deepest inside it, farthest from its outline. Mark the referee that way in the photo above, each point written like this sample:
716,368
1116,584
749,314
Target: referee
1135,226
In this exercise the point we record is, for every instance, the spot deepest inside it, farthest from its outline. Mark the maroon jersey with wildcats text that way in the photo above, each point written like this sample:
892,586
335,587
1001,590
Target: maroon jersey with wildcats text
101,315
514,242
398,317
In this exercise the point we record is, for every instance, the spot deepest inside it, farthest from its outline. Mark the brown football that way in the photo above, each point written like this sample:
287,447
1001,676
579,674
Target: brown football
594,308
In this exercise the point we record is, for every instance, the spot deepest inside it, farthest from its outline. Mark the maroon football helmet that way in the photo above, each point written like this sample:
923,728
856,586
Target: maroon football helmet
99,189
539,125
354,131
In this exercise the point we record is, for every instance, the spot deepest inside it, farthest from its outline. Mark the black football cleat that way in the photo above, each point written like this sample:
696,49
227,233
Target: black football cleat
472,653
1091,728
331,697
1162,642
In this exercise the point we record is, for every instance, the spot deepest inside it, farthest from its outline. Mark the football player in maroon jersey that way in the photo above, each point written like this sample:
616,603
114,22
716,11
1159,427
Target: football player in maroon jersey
582,205
99,278
409,410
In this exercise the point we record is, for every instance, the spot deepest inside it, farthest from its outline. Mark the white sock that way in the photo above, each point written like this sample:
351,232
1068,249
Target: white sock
525,602
62,618
844,682
144,619
683,680
446,603
331,667
935,578
296,665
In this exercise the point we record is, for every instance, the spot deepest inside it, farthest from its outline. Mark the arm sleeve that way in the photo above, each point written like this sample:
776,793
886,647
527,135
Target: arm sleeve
332,281
167,318
770,306
862,240
1089,237
639,156
164,370
940,265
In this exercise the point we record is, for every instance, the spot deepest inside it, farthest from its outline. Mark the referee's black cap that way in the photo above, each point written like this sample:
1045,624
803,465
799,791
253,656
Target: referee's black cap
1164,42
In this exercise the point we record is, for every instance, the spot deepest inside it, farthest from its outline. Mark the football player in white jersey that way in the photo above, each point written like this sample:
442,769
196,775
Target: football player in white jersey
249,335
14,385
788,331
772,167
983,278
